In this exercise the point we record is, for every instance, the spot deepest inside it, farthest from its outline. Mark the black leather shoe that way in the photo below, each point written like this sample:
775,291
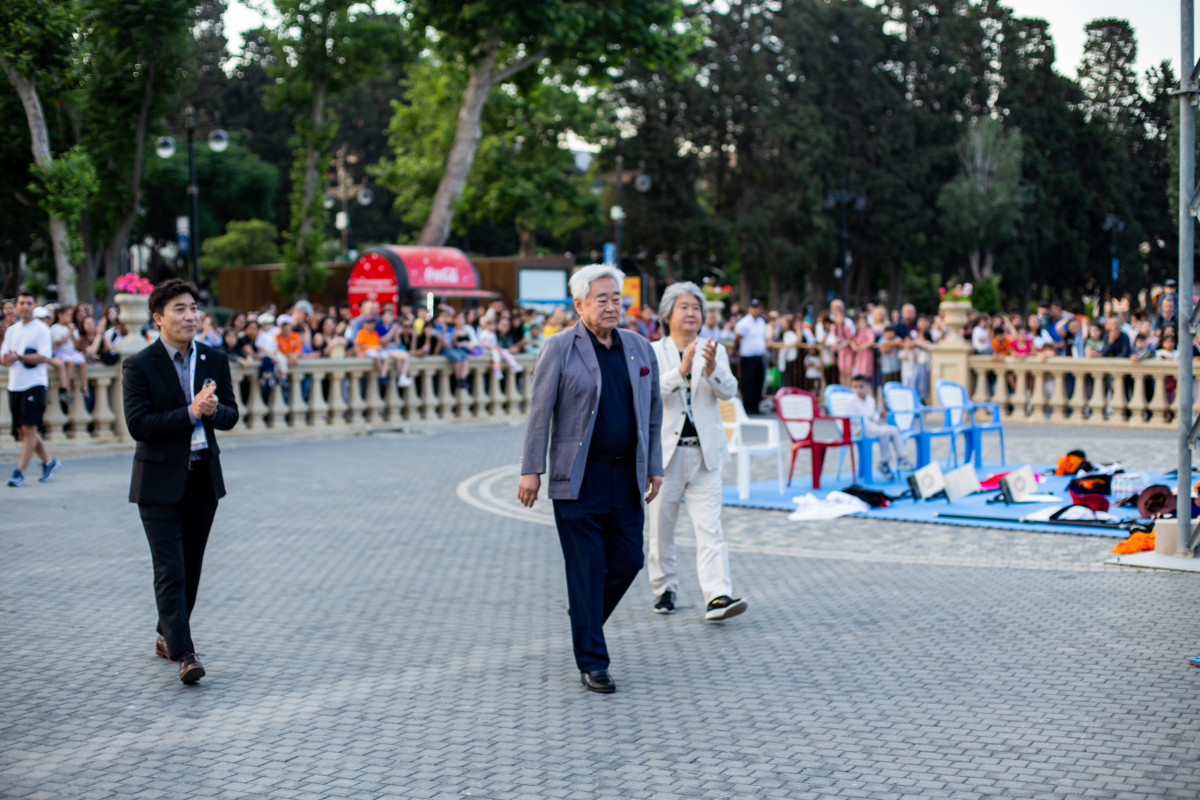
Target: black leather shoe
598,681
190,668
160,649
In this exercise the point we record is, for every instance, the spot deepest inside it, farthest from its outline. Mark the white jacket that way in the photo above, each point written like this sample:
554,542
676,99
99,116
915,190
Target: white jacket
706,413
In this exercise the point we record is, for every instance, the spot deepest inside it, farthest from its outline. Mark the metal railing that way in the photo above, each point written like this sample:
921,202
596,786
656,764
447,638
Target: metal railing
338,394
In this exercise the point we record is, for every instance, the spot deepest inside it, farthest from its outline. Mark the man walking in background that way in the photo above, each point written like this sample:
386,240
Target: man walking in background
751,343
177,394
26,351
596,403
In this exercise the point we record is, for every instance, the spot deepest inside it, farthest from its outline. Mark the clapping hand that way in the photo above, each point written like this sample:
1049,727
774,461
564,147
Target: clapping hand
204,404
686,358
710,356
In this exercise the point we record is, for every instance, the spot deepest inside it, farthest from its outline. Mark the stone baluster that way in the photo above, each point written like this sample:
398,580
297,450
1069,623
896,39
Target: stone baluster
102,413
449,395
1058,397
1137,401
54,419
1038,401
338,409
256,409
354,398
318,406
476,379
428,403
77,413
297,408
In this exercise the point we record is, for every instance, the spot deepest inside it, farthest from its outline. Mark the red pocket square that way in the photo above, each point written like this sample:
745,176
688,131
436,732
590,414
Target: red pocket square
644,371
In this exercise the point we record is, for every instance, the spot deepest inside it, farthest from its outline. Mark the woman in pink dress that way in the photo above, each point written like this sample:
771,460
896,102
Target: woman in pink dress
864,348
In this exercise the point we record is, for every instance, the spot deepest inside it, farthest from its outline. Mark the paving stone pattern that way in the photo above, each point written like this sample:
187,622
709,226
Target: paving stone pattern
368,634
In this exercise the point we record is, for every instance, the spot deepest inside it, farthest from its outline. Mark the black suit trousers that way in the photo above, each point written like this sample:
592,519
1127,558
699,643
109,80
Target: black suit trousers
177,535
753,372
601,538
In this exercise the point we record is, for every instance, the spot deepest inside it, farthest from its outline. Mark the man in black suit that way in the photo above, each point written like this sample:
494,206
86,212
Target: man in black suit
177,394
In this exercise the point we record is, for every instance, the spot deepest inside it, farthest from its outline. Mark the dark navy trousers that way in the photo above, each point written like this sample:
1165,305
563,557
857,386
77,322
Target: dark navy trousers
601,537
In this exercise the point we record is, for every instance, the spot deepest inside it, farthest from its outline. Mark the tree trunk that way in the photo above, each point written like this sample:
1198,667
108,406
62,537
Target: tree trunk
528,239
40,137
311,181
462,153
973,258
467,134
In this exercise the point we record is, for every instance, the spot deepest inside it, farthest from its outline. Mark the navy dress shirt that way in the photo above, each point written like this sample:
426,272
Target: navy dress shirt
615,433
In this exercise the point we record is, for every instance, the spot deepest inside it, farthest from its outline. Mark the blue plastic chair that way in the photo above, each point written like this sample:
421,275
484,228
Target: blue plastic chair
907,412
836,400
954,398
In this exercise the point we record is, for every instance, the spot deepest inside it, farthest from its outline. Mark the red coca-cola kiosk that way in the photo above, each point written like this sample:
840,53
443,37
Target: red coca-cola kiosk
406,274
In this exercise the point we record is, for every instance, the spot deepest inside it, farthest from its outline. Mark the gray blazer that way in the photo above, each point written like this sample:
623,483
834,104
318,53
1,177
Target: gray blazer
562,410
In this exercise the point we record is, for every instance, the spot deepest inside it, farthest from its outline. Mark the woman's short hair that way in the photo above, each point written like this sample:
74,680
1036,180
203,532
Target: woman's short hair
581,282
673,293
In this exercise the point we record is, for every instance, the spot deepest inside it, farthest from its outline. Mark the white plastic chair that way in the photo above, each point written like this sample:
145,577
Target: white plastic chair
735,421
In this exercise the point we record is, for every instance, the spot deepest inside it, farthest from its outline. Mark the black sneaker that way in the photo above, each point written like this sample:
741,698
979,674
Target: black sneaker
665,604
724,607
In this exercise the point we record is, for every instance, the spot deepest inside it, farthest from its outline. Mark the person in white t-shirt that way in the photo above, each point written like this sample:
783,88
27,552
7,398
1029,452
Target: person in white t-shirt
891,443
751,342
26,351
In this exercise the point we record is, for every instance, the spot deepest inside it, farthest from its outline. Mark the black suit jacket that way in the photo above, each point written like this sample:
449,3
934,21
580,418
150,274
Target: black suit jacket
156,413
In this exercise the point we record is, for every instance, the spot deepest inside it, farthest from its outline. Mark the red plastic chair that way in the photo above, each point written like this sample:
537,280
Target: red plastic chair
799,413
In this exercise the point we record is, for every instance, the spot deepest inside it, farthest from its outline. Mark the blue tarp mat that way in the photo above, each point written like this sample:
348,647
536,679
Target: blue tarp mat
765,494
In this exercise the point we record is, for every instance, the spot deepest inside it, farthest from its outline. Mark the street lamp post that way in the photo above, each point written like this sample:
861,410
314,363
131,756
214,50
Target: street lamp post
641,182
1114,225
842,199
342,191
164,146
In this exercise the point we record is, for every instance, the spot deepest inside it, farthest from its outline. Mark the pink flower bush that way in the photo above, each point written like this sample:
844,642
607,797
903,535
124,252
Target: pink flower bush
960,291
132,283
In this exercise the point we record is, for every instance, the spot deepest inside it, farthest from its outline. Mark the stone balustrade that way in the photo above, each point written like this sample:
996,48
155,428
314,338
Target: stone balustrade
333,394
1113,392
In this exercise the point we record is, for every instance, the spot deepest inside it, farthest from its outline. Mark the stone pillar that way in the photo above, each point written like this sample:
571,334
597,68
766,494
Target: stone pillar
948,358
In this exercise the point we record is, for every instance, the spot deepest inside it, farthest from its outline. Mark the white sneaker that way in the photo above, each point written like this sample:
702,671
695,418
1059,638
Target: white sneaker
403,381
518,368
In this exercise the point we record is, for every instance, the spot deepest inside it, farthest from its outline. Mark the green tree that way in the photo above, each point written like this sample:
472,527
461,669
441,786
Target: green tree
38,41
1108,74
523,174
135,49
496,41
244,243
321,49
981,205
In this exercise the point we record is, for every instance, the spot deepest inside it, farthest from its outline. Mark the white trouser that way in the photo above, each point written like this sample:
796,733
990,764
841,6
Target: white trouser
686,479
891,443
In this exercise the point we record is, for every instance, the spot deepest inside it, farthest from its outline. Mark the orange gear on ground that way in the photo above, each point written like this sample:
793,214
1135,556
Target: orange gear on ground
1136,543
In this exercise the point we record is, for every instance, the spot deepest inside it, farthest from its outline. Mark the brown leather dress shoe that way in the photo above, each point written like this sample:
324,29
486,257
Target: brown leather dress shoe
190,668
160,649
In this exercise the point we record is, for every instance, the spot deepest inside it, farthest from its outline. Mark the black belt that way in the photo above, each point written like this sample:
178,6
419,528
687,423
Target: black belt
605,458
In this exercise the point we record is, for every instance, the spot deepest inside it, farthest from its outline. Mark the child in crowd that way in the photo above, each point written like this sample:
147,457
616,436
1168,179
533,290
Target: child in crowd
1022,348
889,354
67,356
491,346
1141,348
1094,342
891,443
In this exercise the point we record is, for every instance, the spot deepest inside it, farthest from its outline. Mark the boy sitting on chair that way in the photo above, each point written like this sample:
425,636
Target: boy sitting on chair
891,443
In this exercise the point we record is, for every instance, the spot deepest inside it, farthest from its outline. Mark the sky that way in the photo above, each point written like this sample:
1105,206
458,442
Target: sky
1155,22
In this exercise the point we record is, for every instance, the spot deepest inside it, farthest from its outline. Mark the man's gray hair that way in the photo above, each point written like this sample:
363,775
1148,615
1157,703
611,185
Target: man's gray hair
581,282
673,293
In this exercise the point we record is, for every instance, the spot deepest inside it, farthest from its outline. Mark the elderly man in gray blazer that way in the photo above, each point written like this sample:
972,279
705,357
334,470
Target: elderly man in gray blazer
596,404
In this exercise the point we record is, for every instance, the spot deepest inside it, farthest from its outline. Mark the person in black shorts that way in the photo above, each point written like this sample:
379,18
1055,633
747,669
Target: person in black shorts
26,351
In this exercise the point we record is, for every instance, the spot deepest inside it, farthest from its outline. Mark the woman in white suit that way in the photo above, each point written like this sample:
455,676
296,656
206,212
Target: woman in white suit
693,374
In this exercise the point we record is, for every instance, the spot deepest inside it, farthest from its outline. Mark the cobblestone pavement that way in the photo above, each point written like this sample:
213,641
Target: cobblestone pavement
370,634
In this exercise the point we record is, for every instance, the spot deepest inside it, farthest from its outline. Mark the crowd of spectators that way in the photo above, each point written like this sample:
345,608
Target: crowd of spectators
804,349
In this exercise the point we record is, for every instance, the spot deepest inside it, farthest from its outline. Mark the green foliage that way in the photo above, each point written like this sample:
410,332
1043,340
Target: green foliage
322,48
523,174
244,243
36,36
986,296
981,205
62,189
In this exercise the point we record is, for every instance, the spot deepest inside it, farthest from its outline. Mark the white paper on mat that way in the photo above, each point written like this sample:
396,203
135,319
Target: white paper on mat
832,506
